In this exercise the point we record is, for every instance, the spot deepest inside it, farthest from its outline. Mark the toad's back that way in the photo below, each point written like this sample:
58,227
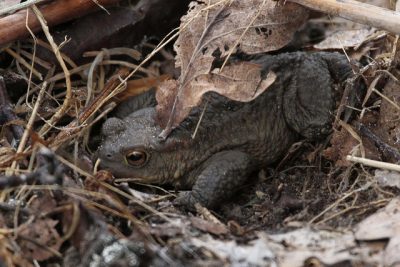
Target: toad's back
300,102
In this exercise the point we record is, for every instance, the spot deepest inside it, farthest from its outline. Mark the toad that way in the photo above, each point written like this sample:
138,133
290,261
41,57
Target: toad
233,139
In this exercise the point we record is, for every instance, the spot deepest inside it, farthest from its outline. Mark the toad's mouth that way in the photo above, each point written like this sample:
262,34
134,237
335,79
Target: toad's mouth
123,173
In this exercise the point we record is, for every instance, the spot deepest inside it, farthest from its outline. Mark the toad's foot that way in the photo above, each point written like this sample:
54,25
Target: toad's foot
219,179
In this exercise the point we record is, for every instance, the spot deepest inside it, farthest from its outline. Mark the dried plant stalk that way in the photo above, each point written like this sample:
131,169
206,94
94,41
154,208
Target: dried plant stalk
57,53
110,89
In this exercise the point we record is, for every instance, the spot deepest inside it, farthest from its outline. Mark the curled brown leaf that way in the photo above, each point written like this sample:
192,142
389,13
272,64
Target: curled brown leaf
209,33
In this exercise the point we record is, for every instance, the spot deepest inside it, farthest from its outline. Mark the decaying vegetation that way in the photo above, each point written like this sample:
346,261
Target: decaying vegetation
64,67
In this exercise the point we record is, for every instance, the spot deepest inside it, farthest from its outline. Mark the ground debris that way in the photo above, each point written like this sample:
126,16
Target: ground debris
291,249
313,208
383,225
387,178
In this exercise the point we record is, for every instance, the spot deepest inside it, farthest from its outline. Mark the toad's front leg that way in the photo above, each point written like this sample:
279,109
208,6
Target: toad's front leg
219,178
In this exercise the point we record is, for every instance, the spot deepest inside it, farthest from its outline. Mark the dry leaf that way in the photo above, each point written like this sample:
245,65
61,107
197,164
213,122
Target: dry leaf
209,227
210,32
240,82
384,224
270,27
387,178
345,38
43,231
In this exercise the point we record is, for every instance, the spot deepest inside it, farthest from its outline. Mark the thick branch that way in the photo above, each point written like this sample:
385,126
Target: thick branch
13,27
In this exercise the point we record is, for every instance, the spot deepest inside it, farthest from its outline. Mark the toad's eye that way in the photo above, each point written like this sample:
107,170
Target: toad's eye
136,158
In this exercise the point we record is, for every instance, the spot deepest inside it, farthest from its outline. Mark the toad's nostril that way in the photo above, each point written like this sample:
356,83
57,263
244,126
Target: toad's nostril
109,155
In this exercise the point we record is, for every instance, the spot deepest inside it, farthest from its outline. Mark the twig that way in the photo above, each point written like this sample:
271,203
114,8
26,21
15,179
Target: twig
39,61
385,149
358,12
374,163
370,89
13,8
76,215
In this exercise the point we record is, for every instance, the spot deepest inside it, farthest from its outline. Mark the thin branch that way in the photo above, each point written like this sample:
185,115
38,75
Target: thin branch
13,27
374,163
356,11
14,8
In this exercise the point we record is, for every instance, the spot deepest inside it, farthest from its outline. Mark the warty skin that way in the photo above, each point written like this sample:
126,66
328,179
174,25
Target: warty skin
234,139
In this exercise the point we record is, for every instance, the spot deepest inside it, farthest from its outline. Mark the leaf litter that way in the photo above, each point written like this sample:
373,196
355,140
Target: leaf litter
314,211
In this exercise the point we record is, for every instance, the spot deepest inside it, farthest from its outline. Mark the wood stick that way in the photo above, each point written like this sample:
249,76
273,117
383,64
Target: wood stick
358,12
19,6
374,163
13,27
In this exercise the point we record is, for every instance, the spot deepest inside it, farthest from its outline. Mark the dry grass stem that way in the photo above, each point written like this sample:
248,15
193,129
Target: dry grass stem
109,187
138,202
74,222
64,56
355,135
36,60
370,89
28,128
90,80
115,52
24,63
376,204
386,98
64,107
336,203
